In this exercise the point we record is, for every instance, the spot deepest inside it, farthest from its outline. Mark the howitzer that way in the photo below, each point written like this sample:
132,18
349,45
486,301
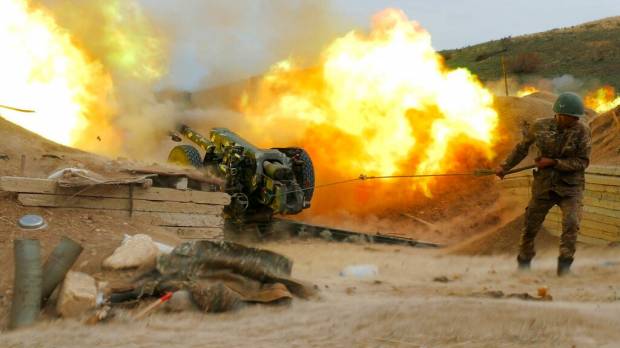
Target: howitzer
261,182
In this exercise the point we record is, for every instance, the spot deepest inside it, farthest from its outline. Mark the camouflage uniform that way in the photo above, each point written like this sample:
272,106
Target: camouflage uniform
561,184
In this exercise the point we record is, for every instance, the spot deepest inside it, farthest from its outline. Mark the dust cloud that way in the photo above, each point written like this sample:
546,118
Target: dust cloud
231,40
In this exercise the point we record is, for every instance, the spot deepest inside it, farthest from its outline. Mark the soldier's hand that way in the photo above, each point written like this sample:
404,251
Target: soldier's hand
544,162
499,171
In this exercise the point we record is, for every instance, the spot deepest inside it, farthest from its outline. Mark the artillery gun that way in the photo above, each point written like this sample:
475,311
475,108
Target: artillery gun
261,182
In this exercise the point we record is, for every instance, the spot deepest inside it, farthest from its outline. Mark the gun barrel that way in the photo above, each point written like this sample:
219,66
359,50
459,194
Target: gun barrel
196,137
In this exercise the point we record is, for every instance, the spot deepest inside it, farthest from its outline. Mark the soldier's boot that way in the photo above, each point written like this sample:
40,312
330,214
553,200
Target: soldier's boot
564,266
523,264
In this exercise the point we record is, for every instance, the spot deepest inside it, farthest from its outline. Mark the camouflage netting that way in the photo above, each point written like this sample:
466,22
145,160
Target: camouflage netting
223,276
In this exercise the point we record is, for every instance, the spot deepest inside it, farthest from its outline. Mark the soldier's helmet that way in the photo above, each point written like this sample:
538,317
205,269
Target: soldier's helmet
569,103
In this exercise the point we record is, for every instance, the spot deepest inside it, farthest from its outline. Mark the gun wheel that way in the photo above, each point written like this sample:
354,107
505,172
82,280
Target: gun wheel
185,155
307,180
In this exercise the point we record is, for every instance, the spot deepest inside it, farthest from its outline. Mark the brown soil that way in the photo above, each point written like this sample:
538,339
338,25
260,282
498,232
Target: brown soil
606,138
402,304
401,307
504,240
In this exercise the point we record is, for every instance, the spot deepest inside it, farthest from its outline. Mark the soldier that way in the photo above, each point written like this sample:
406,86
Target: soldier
563,154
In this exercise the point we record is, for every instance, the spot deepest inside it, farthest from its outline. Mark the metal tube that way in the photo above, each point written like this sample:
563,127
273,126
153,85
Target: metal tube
196,138
27,285
58,264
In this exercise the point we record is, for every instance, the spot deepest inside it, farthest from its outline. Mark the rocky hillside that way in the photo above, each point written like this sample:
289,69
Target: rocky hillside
590,51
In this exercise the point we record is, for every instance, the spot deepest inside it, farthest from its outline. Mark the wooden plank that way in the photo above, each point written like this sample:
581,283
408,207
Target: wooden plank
589,224
209,233
605,196
611,220
160,219
602,203
593,240
610,208
62,201
603,188
602,180
604,170
594,233
601,211
588,236
177,207
33,185
182,220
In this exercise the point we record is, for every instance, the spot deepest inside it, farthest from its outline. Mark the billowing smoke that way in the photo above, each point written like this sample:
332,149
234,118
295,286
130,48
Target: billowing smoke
233,40
134,53
230,40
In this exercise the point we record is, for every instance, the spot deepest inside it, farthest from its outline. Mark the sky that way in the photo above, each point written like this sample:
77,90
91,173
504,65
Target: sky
219,41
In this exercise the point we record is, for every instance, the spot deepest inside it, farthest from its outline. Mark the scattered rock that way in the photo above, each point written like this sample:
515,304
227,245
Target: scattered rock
4,157
326,235
543,291
521,296
610,263
360,271
78,294
441,279
136,251
51,155
101,315
359,239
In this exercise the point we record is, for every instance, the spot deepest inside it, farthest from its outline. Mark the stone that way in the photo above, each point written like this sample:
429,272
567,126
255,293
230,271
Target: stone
135,252
77,295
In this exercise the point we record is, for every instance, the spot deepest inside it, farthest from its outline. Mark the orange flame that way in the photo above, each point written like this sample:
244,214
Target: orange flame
378,104
67,76
526,90
602,99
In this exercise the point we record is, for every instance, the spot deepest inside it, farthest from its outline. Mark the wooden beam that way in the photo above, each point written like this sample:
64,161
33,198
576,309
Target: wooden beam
160,219
600,211
182,220
33,185
604,170
586,235
602,203
608,219
603,188
603,180
605,196
62,201
589,224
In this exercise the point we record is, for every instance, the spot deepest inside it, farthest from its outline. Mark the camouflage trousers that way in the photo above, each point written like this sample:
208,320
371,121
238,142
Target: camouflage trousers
535,214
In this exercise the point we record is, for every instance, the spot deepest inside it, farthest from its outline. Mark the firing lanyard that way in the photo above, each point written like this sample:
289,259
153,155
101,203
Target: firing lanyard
362,177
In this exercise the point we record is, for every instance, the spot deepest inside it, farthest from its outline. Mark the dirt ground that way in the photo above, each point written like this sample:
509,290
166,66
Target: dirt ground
420,298
400,307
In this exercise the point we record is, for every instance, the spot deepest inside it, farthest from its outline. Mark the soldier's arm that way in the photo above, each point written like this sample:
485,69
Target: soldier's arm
520,151
582,157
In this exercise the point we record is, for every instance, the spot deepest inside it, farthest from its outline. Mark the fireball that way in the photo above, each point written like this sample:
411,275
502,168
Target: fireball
381,103
603,99
63,64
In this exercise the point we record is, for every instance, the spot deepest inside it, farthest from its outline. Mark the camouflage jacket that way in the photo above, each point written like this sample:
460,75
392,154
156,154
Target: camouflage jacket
570,147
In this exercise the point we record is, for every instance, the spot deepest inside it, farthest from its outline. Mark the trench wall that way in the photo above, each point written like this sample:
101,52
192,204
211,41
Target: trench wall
600,222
